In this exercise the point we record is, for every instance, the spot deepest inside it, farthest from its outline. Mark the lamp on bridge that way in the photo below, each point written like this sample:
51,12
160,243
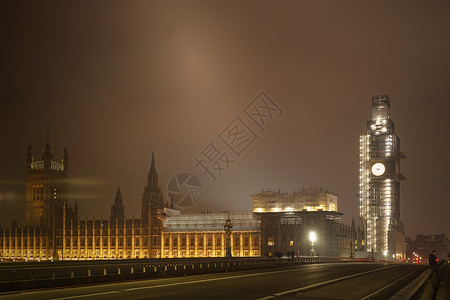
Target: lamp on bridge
312,238
228,227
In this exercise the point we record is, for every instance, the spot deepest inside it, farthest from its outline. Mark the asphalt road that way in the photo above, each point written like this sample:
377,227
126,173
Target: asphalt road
324,281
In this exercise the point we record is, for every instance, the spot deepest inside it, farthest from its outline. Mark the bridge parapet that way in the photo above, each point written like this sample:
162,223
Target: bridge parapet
424,286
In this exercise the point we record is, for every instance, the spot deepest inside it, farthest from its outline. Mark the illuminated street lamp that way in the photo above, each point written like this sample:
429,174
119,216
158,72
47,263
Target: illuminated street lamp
228,227
312,238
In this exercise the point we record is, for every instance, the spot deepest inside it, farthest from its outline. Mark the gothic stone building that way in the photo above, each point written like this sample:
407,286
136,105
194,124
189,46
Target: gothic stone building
279,224
54,231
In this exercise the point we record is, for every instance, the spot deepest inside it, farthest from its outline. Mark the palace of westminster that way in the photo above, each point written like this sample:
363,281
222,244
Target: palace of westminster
279,224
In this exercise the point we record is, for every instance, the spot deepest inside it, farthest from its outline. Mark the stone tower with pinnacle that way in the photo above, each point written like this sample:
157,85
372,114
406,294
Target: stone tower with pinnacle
152,210
117,209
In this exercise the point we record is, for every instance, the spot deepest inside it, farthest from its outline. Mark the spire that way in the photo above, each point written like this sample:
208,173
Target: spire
117,209
118,194
47,145
153,161
152,198
152,179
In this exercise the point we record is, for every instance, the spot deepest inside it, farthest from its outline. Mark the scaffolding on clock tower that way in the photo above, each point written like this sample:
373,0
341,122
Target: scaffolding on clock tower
379,180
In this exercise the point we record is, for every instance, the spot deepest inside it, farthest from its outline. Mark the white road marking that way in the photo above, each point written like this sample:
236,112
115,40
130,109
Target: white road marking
374,293
217,279
87,295
172,284
323,283
206,280
155,280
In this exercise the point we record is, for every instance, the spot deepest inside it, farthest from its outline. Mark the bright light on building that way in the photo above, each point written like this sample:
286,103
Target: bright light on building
312,236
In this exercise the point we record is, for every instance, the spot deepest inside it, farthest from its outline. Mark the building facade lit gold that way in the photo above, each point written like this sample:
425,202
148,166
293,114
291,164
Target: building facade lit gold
54,231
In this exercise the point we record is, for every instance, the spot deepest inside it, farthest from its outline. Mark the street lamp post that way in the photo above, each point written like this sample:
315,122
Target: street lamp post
351,250
312,238
228,227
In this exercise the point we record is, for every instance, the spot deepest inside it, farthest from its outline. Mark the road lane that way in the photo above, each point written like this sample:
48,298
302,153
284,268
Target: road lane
323,283
252,284
380,285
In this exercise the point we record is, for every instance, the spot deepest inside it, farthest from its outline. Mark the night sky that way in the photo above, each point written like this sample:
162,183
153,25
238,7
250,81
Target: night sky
118,80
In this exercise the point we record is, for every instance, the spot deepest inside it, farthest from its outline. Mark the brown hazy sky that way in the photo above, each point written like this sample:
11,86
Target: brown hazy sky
120,79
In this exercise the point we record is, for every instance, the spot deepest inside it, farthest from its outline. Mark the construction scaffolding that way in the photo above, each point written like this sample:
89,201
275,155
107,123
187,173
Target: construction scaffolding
379,186
203,235
364,190
242,221
306,199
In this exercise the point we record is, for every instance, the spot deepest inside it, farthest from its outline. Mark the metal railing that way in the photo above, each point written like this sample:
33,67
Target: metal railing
423,287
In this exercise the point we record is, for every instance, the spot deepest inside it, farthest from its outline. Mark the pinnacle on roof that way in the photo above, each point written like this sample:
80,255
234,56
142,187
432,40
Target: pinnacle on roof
153,161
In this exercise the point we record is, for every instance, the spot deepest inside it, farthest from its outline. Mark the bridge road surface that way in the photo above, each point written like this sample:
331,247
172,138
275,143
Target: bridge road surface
322,281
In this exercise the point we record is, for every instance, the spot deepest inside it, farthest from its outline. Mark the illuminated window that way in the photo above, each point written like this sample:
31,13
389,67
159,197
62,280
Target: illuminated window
291,243
270,242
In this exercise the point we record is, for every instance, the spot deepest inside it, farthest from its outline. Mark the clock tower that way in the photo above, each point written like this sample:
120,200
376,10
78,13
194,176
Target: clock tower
380,183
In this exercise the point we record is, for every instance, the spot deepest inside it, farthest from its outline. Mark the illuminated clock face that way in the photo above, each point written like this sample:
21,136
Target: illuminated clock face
378,169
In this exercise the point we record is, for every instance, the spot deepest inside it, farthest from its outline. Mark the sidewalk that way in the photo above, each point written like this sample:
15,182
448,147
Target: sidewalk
444,289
